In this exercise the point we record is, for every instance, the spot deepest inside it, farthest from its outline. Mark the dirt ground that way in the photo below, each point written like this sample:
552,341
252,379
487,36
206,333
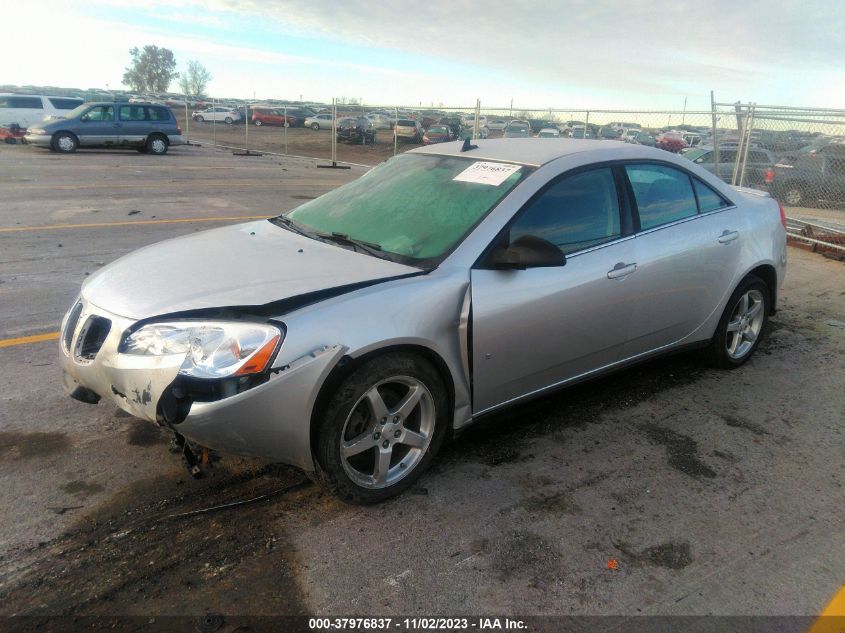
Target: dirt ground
714,492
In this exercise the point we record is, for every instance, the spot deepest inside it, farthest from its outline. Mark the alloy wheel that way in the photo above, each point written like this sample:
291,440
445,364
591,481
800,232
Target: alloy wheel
745,324
387,432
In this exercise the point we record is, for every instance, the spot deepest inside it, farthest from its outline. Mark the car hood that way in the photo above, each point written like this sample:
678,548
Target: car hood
242,265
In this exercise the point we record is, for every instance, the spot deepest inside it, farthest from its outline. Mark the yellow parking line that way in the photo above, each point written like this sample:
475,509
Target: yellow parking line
95,225
24,340
832,619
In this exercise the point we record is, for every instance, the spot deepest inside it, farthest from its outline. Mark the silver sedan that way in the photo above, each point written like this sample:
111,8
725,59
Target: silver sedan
352,336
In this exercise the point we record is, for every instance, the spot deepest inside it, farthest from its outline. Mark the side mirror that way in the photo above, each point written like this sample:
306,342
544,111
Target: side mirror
84,118
528,251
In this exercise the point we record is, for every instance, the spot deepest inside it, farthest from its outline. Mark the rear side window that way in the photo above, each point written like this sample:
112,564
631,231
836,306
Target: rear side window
708,200
158,114
62,103
575,213
133,113
663,194
30,103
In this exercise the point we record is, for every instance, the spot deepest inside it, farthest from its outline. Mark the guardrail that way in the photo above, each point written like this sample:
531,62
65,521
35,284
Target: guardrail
819,237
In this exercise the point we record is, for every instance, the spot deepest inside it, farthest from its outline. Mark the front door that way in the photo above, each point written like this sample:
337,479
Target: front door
98,126
538,327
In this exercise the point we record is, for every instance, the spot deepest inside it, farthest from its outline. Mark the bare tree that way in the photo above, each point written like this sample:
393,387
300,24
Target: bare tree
152,69
194,80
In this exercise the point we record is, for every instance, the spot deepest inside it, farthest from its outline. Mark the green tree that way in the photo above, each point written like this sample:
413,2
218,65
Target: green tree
152,69
194,80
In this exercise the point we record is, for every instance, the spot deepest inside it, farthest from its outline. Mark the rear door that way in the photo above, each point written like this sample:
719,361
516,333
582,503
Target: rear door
686,258
537,327
132,124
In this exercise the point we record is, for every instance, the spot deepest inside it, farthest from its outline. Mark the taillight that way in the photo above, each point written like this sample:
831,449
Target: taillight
769,176
179,130
782,214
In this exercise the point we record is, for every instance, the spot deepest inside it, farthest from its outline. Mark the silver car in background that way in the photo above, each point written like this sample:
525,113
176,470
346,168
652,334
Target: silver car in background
352,336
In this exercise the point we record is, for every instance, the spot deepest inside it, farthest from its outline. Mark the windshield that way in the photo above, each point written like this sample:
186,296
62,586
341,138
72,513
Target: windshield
438,130
694,154
77,111
411,206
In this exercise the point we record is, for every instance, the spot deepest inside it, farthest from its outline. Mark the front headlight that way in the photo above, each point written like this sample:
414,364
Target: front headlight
212,349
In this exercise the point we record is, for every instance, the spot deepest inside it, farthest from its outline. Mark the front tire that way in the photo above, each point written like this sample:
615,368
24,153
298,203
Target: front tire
199,119
65,142
315,126
259,123
381,427
228,120
742,325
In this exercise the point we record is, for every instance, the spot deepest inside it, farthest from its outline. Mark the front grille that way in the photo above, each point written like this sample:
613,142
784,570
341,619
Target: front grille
91,337
70,326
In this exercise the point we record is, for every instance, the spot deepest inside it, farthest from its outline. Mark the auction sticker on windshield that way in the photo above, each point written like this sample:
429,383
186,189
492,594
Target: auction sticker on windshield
486,173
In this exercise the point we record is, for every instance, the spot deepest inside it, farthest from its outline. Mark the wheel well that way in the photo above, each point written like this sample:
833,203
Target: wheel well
767,273
348,364
56,133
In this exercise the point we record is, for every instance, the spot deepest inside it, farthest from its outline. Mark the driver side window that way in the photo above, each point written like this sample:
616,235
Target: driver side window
575,213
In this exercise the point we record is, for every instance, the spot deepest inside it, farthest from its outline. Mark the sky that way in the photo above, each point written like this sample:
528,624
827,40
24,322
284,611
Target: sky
611,54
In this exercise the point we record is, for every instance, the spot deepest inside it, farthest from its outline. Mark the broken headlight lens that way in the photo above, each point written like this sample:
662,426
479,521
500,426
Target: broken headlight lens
212,349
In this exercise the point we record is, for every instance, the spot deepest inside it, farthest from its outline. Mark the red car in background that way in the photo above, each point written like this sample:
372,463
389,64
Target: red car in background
272,116
437,134
670,141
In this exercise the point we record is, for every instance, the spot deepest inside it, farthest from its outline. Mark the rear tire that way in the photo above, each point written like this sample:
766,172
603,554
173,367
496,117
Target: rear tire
259,123
157,144
228,120
65,142
742,325
381,427
200,119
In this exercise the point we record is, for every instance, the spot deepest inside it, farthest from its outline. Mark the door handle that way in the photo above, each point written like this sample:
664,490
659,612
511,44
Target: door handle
621,270
728,236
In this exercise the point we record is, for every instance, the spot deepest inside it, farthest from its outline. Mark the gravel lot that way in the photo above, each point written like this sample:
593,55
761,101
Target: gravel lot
715,492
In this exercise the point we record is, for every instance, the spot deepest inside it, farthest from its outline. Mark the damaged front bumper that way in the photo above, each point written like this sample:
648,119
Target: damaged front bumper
269,420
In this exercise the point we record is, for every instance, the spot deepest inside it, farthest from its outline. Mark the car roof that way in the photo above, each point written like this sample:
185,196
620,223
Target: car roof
536,152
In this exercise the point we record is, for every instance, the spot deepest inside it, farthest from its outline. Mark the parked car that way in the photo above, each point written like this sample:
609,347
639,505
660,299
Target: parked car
26,110
342,343
608,134
670,141
319,121
758,165
356,130
454,123
642,138
496,124
579,131
408,130
517,129
438,134
381,120
549,132
216,113
148,128
273,116
811,178
540,124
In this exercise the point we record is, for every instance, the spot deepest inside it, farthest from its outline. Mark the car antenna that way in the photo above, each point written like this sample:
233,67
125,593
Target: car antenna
467,145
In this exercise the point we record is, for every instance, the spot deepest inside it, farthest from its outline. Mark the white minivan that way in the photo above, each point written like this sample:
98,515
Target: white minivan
26,110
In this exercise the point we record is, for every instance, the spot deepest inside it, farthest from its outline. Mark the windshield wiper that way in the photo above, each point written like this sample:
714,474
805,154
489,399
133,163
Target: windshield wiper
290,225
362,246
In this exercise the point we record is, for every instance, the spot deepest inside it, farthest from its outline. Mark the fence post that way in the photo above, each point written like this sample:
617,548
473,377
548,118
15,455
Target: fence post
395,121
285,124
587,124
246,127
715,140
743,126
334,131
213,124
475,122
187,123
749,124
